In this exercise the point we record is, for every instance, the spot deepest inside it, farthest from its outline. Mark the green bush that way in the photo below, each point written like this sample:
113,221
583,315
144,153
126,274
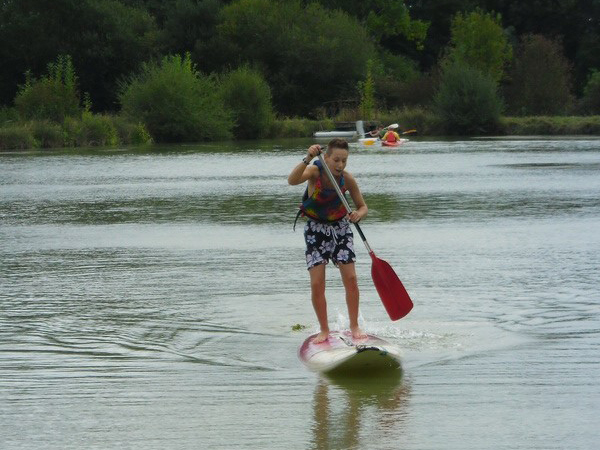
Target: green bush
298,127
175,102
16,136
479,41
247,95
72,129
8,115
47,134
540,79
425,121
131,132
97,130
52,97
309,54
467,101
590,102
90,131
418,90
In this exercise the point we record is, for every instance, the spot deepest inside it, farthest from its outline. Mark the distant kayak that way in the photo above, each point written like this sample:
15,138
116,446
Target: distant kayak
393,144
377,143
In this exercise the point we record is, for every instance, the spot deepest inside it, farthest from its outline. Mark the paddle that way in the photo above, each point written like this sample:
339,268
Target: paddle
389,287
409,131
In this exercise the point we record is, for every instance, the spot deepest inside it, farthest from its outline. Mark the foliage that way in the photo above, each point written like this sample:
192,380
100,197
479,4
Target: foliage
367,93
189,23
47,134
96,130
308,55
418,90
396,66
590,102
130,132
299,127
175,102
8,115
386,20
478,40
467,100
89,130
246,93
53,97
16,136
425,121
106,39
544,125
540,80
576,22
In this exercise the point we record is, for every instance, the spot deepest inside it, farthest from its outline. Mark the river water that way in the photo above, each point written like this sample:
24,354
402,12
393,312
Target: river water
148,299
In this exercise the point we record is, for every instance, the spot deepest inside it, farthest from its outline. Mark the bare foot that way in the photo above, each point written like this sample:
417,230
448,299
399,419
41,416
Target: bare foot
321,337
357,333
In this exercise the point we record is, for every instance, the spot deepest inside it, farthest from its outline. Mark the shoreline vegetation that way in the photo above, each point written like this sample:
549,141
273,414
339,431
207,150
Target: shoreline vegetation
208,71
101,130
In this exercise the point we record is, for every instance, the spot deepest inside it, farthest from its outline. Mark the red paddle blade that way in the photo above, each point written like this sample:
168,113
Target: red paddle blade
390,289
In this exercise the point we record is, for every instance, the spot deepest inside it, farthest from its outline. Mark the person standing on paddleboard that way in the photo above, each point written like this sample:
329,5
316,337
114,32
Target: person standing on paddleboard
327,232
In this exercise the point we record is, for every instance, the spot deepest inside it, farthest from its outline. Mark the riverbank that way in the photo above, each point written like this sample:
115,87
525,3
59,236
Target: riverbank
104,130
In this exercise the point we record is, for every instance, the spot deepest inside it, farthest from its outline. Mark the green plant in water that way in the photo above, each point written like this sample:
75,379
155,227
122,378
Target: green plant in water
298,327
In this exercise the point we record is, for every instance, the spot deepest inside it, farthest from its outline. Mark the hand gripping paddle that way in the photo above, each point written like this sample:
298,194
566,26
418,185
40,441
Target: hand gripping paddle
389,287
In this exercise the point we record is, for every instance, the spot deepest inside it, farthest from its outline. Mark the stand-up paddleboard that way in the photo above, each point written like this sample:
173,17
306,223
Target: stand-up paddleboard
340,354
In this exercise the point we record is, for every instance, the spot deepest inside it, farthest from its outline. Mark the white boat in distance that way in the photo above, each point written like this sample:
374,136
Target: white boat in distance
335,133
359,131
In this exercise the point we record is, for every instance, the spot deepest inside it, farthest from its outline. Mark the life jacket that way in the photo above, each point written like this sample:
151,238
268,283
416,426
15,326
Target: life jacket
324,205
391,136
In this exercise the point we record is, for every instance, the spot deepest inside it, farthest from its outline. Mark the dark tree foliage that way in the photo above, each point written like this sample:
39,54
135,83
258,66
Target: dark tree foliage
299,54
105,38
309,55
540,78
575,22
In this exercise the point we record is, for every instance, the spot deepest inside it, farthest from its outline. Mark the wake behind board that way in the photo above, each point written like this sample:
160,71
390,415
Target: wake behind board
341,355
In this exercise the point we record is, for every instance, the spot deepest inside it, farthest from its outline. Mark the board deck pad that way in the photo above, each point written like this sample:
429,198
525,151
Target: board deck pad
340,354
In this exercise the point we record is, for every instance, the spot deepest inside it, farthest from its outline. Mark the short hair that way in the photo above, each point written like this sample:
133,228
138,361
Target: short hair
337,143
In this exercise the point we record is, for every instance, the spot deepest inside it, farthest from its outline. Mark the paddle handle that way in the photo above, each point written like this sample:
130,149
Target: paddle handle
344,201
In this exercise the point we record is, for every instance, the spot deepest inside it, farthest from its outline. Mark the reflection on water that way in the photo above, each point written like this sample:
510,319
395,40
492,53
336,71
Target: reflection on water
343,407
147,299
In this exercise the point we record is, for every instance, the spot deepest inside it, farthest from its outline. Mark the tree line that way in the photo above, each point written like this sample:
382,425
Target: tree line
468,61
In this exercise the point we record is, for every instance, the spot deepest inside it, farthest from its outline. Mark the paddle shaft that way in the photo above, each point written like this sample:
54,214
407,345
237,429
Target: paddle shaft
344,201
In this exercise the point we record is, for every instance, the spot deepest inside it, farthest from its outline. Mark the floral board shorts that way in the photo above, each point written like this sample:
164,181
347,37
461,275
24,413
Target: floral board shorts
325,241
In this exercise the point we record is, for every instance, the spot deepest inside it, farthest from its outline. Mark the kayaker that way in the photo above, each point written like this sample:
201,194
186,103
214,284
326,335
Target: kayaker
391,135
376,132
327,233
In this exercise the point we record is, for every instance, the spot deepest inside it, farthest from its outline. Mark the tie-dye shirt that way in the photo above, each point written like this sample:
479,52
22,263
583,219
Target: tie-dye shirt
324,205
